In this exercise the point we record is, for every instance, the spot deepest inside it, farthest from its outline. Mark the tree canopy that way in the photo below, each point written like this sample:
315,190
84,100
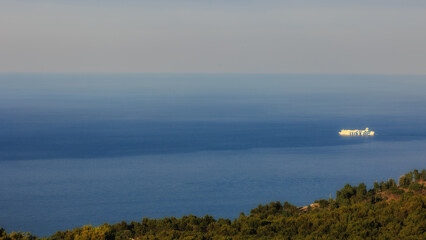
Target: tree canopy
387,211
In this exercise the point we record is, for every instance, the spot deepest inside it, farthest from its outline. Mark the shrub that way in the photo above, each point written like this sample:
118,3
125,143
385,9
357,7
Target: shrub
416,187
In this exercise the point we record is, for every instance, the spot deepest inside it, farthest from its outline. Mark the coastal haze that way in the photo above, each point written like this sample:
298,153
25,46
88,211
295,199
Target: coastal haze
187,36
82,149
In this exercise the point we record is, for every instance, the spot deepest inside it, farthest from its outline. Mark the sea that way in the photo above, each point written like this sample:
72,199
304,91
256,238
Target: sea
88,149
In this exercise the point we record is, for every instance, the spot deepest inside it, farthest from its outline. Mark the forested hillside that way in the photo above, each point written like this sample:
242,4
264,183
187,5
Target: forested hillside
387,211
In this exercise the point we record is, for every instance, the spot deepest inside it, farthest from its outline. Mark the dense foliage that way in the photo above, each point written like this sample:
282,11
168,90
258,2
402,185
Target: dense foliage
388,211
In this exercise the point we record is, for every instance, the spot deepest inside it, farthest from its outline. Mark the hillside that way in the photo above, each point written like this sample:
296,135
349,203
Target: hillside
387,211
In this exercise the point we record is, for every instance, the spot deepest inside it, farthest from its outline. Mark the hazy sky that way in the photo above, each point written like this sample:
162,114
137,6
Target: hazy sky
268,36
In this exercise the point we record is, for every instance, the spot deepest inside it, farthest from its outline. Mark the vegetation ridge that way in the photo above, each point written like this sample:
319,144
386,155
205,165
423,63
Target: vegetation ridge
387,211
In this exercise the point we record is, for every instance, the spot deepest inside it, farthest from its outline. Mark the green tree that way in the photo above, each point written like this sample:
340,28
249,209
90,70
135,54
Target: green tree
390,184
423,175
2,232
376,187
404,181
417,175
361,191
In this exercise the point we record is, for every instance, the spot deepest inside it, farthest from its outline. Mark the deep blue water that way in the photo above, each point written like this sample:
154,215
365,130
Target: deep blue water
80,149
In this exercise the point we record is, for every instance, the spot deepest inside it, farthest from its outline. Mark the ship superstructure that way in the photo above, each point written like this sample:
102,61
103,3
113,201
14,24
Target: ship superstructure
356,132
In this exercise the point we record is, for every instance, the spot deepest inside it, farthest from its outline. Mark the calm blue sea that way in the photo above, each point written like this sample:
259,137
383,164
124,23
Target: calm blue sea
78,149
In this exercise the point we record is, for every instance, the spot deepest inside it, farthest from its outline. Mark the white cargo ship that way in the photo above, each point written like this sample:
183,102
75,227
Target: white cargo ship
356,132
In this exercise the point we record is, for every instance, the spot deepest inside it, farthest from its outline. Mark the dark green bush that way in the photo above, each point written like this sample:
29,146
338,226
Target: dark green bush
416,187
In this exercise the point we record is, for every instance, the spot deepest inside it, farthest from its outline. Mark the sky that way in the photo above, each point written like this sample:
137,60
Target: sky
204,36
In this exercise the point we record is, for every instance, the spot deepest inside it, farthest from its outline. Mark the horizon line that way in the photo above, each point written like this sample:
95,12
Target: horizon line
226,73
